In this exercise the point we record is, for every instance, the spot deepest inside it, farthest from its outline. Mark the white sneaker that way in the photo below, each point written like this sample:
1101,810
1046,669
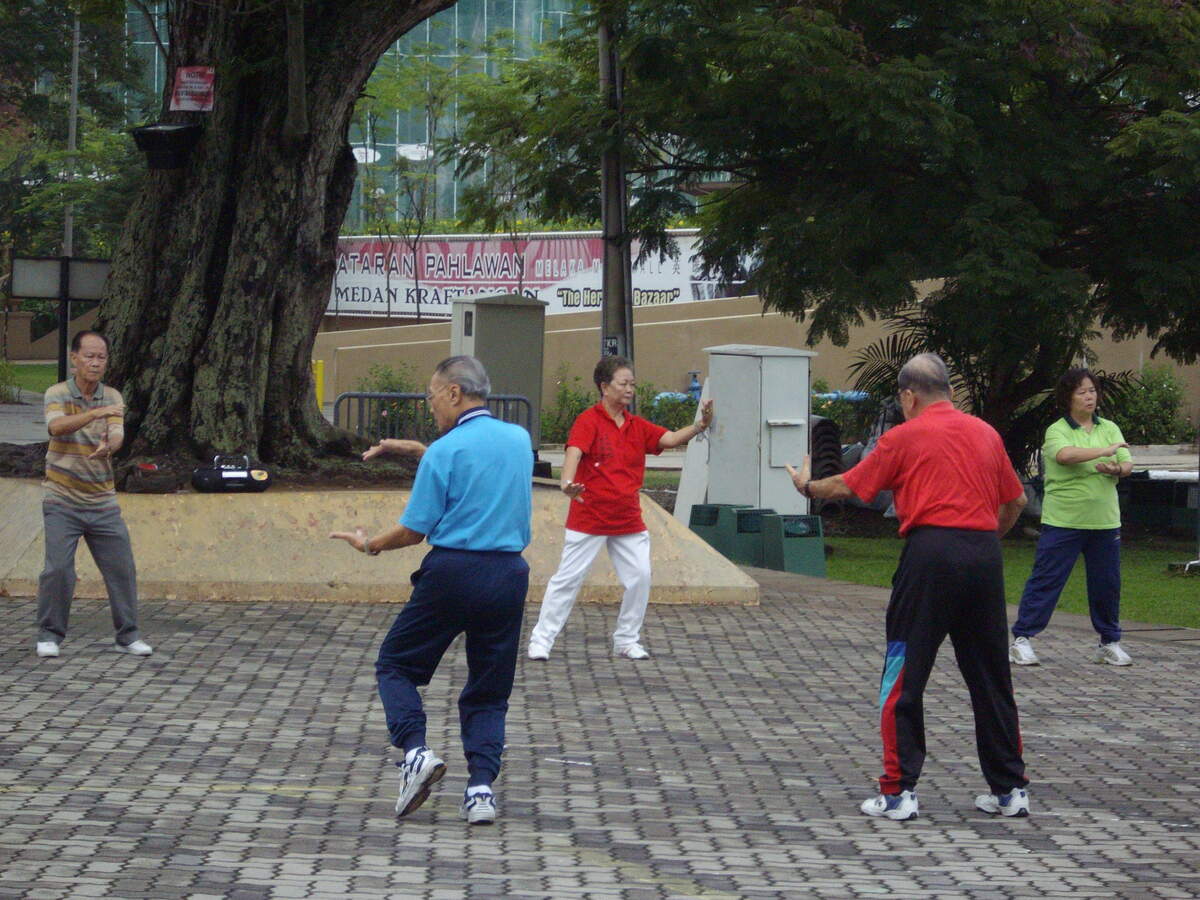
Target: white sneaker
1021,652
137,648
47,648
479,808
417,778
632,651
538,650
899,806
1113,655
1014,803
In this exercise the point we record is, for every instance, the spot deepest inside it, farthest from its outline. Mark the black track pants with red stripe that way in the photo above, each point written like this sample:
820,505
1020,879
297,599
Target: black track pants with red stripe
949,582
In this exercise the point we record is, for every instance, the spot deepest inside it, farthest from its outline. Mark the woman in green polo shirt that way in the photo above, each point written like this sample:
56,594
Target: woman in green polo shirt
1085,457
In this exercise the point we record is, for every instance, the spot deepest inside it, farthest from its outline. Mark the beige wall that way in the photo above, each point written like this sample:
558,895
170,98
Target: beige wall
20,346
668,342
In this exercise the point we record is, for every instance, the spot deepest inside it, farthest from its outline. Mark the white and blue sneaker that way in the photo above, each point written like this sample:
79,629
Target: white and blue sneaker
1014,803
419,772
479,808
899,806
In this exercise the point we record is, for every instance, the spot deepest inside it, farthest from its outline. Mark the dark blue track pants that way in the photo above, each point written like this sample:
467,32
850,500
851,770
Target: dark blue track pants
481,593
1057,550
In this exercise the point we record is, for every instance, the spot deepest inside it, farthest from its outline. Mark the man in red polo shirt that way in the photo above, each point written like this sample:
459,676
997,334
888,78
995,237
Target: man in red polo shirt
603,468
956,494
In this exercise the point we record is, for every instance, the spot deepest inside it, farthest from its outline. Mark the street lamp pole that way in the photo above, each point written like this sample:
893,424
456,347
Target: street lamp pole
68,247
616,316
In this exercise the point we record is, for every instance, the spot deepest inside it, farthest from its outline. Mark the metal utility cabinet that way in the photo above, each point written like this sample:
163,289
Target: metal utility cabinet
505,333
761,399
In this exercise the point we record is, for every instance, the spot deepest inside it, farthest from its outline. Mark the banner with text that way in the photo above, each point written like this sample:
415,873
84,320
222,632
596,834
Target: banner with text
381,277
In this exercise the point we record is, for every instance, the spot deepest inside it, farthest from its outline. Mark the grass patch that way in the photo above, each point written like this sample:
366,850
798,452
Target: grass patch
35,377
1149,593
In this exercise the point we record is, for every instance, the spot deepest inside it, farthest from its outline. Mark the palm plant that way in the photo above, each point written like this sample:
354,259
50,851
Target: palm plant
1003,372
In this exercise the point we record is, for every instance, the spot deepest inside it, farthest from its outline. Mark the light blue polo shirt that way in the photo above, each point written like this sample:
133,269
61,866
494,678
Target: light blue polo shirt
474,486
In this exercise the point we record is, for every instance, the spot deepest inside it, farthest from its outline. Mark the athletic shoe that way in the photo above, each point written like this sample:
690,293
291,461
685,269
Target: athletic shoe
417,778
1113,655
632,651
47,648
538,650
137,648
479,808
899,806
1014,803
1021,652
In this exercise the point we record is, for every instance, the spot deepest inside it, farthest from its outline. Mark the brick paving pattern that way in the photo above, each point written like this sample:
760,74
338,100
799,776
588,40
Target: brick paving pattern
248,759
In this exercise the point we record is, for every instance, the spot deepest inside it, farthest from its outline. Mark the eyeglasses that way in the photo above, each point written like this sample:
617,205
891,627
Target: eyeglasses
429,395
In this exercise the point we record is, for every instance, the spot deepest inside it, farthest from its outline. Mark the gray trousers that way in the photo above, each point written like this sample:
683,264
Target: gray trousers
108,539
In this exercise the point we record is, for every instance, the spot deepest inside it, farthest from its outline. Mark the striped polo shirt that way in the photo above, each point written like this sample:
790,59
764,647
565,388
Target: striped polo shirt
70,476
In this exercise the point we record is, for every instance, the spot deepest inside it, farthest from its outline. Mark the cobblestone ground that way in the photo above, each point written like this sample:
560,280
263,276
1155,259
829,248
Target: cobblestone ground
247,758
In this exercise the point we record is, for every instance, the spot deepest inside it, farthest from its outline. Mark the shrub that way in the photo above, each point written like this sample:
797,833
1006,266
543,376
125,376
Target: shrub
409,418
670,410
1151,411
853,419
571,397
383,379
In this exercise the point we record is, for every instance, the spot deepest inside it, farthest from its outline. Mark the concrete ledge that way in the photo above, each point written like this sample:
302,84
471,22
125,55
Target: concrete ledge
274,546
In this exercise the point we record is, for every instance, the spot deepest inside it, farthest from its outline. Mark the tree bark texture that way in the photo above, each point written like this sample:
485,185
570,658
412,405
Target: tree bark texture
225,265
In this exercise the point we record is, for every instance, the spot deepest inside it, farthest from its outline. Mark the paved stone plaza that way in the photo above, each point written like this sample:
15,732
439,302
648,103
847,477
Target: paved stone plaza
247,758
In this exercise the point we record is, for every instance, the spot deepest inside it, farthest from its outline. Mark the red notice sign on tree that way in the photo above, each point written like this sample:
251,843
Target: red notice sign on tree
193,89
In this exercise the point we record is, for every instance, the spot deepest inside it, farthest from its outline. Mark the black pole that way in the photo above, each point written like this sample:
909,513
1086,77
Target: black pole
64,313
616,313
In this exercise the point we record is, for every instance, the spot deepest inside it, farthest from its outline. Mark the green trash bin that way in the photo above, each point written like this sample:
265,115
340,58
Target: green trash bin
747,547
794,544
715,524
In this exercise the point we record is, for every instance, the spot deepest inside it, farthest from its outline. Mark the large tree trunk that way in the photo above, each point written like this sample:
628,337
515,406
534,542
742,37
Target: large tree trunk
224,268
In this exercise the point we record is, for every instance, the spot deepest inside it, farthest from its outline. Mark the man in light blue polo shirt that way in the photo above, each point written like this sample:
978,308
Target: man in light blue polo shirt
472,498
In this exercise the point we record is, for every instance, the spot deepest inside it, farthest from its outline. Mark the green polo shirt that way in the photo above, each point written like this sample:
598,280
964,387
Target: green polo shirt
1078,496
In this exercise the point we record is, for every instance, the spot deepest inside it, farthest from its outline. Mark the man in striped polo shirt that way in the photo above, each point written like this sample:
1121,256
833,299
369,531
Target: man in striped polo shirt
85,419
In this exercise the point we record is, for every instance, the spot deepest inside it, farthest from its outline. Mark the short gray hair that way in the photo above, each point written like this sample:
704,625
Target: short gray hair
468,373
925,374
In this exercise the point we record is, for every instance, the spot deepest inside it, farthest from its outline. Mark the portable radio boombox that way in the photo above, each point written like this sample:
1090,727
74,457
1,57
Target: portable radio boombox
230,473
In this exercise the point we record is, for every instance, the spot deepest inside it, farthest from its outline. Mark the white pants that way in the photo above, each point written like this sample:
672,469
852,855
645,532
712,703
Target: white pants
630,555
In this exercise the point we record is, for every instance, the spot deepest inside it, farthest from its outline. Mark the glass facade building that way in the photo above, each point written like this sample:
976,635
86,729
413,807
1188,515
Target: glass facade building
520,26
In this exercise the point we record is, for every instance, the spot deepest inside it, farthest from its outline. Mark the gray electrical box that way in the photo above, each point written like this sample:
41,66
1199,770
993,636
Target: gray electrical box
505,333
761,400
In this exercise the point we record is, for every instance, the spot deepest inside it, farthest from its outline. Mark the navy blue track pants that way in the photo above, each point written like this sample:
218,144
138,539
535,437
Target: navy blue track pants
1057,551
481,593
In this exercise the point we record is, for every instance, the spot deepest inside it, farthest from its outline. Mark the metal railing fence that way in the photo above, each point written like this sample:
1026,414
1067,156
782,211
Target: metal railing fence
377,415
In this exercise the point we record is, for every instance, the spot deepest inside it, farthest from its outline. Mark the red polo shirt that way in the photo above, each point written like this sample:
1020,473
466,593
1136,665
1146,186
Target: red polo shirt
946,468
612,470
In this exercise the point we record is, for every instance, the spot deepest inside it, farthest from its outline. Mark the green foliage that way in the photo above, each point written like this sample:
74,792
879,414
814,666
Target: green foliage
10,389
1151,411
1002,371
383,379
853,419
672,413
1038,157
400,418
36,181
571,397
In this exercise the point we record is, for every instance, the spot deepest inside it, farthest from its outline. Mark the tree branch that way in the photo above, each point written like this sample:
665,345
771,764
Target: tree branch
146,14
